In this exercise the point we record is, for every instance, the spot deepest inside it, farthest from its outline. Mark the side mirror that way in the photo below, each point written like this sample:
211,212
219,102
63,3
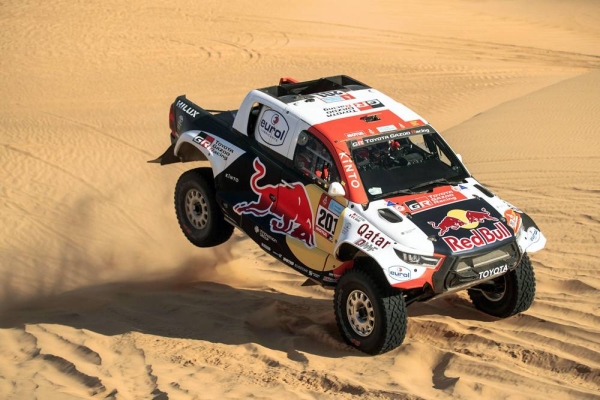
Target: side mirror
459,157
336,189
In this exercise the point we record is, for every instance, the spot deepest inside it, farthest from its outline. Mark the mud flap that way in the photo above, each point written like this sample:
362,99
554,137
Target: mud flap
168,157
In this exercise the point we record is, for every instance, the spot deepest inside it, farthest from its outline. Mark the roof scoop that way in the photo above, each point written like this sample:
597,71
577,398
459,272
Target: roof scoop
389,215
370,118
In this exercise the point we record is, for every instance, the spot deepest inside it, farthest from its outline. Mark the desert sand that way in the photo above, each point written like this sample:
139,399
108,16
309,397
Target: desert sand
102,296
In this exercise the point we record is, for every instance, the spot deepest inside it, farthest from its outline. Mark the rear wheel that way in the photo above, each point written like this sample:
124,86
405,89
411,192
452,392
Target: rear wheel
508,294
198,213
370,314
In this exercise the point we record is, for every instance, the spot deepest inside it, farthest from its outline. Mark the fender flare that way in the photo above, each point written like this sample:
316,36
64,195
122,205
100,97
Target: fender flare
180,152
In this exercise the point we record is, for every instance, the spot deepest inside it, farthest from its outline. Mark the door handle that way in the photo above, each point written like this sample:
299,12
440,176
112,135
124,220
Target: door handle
272,197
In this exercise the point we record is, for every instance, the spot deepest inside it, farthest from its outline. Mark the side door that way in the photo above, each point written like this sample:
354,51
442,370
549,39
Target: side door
305,204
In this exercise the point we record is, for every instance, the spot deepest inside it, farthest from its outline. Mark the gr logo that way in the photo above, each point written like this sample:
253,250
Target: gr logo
414,205
367,105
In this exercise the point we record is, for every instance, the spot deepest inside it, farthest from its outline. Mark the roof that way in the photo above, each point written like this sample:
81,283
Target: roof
290,92
342,108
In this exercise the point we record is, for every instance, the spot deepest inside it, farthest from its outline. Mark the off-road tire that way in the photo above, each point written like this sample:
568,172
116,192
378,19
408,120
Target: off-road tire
515,292
199,216
386,305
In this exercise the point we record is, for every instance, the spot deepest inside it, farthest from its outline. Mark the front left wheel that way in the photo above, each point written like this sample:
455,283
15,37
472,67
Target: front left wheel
198,213
508,294
370,314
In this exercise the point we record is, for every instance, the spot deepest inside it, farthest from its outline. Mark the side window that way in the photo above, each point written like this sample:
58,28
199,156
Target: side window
253,118
313,160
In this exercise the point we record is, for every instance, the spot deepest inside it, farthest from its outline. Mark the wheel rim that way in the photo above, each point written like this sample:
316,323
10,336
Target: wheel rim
196,208
360,313
499,290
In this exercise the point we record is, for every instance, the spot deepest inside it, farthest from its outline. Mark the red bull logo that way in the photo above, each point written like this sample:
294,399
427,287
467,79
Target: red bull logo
456,219
288,204
481,236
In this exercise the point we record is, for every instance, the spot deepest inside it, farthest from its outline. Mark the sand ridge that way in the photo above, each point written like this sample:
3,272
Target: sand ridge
102,296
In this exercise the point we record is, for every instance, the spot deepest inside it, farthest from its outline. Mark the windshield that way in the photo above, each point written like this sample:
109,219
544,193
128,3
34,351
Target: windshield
404,161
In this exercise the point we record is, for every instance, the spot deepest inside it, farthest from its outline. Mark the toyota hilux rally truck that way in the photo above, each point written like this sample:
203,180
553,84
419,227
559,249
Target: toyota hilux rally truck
356,192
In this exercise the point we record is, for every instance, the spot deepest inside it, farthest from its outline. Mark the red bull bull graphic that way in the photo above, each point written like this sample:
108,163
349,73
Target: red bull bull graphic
459,219
466,219
288,203
446,224
479,216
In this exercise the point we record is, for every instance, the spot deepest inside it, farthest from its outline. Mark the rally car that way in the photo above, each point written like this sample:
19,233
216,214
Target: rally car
359,194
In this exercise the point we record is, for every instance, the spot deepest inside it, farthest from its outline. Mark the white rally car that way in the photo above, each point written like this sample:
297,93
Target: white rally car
356,192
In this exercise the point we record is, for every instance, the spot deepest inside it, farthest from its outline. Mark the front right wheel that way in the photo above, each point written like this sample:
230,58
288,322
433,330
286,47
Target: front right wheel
370,314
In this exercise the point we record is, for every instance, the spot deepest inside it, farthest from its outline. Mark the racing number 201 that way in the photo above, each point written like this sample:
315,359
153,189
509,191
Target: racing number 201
327,220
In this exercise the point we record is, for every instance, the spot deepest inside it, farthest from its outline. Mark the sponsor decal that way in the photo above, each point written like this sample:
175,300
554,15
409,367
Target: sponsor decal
513,219
264,235
493,272
515,209
288,261
415,122
206,141
533,234
365,245
397,207
372,236
312,274
326,223
264,246
329,279
480,236
335,111
386,128
385,137
273,128
346,228
327,217
349,169
355,134
192,112
291,214
408,231
333,96
354,216
367,105
214,146
335,207
231,177
179,122
433,200
399,273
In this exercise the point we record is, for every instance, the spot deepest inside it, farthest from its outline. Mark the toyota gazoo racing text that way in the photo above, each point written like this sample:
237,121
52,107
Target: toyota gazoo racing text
356,192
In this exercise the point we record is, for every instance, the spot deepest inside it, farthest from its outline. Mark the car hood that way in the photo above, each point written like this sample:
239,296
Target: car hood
463,223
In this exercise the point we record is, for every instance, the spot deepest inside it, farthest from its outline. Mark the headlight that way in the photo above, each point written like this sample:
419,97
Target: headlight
417,259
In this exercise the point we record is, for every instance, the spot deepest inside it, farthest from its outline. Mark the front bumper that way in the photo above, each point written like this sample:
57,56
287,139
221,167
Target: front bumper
459,272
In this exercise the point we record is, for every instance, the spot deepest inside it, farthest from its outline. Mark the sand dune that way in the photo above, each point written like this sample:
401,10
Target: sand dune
102,296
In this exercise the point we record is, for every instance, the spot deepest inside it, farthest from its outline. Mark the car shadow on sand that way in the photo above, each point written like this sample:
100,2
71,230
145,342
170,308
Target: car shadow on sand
212,312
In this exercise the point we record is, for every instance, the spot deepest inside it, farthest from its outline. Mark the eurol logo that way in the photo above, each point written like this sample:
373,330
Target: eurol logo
470,220
273,128
399,273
